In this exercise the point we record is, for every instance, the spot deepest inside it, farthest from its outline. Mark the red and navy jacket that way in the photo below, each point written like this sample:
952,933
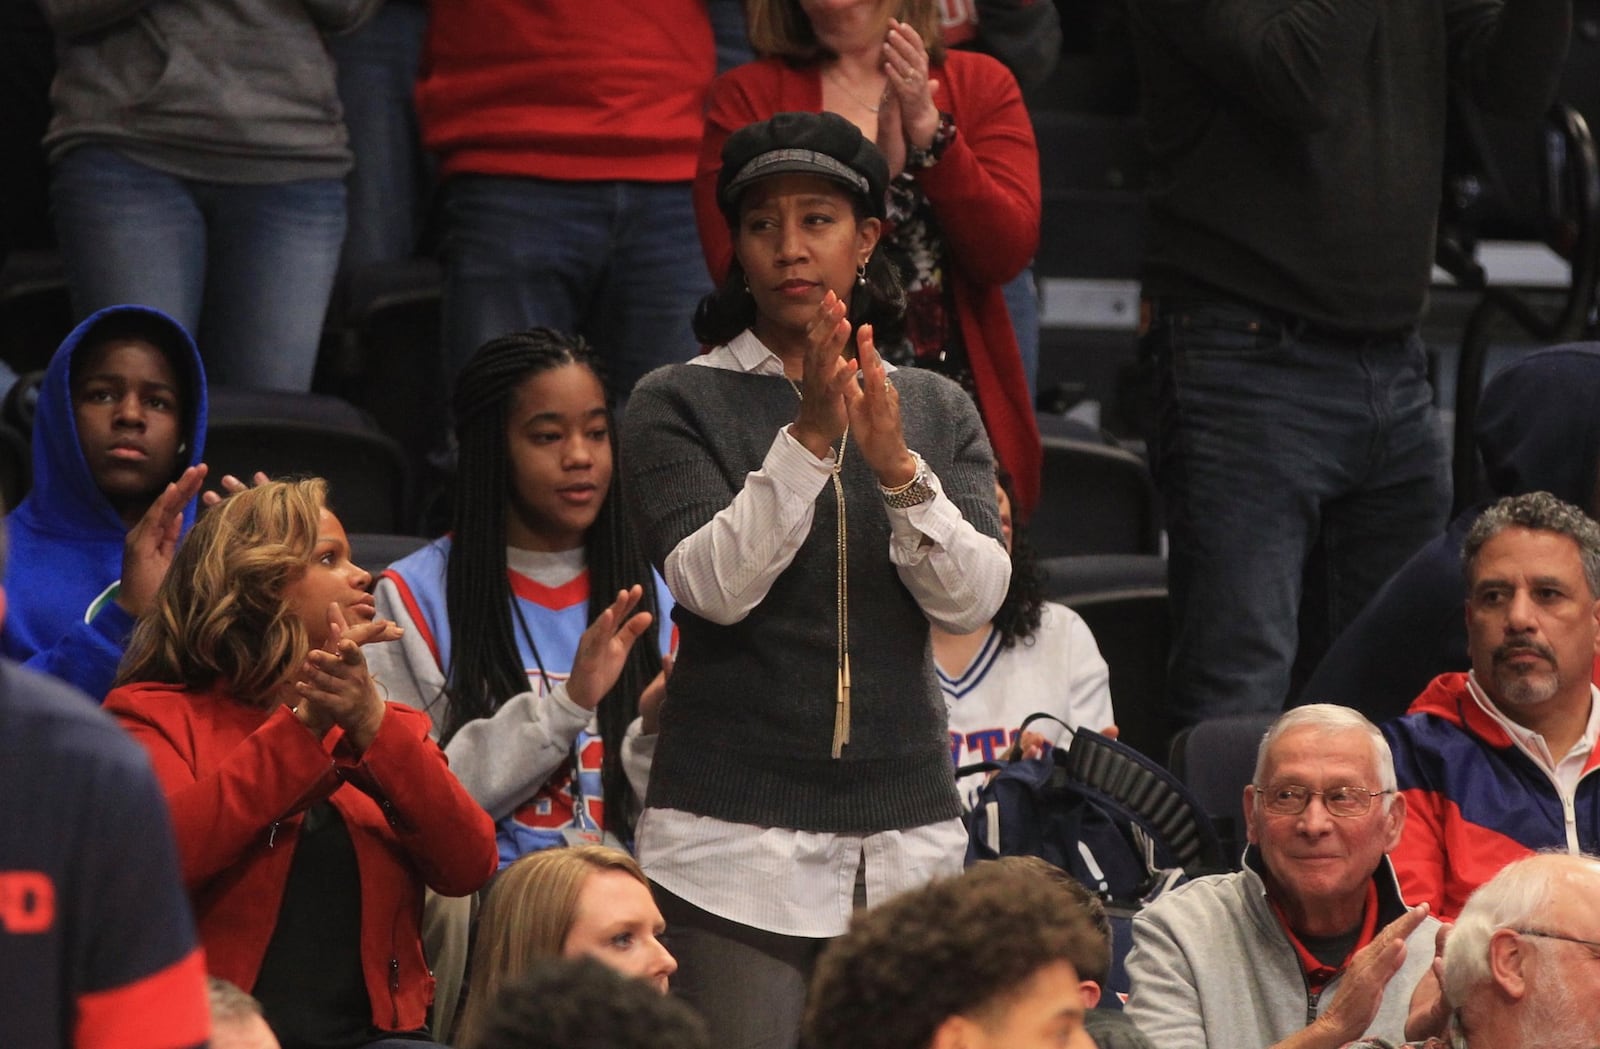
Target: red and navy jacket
97,945
1475,800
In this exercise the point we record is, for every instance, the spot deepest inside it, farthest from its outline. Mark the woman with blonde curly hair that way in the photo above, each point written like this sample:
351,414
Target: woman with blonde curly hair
586,900
309,813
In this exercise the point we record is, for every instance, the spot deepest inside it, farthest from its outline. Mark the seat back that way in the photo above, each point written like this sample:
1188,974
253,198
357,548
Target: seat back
376,551
1095,499
16,466
35,309
389,358
1216,760
1131,627
291,434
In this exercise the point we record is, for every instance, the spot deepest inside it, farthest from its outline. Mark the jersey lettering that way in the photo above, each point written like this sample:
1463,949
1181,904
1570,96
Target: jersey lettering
27,902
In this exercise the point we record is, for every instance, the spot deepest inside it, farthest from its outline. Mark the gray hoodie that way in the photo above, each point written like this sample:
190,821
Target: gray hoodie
235,91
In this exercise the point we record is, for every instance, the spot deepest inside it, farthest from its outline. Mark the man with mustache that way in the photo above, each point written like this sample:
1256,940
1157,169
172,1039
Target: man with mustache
1499,762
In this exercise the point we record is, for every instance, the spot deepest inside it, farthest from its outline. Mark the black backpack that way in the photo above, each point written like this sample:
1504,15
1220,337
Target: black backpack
1098,809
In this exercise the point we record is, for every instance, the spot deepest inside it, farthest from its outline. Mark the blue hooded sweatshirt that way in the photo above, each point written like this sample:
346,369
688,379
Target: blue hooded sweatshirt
65,538
1538,431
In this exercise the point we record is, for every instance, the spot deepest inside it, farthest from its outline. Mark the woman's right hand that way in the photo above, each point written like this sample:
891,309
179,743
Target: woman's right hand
823,415
334,686
604,647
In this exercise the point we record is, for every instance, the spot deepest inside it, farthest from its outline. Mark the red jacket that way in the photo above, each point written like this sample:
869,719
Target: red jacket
985,196
1475,801
238,780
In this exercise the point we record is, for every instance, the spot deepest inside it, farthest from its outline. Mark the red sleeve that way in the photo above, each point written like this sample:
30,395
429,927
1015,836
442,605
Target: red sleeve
733,103
448,836
985,188
163,1010
1443,857
1419,858
219,806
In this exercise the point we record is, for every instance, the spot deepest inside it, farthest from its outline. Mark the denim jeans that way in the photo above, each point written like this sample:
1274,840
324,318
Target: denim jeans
731,30
247,268
392,177
1298,472
1022,302
619,262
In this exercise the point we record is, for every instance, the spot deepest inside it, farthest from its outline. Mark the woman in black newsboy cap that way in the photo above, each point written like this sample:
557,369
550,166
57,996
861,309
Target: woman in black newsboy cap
812,511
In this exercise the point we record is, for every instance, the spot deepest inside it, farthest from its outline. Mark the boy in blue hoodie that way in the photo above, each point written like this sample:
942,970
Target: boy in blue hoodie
117,439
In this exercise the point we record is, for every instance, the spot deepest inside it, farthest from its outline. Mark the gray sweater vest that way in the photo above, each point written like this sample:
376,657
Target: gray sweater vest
748,720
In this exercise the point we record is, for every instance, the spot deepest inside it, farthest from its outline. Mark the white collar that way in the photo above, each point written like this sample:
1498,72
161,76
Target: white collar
746,353
1530,740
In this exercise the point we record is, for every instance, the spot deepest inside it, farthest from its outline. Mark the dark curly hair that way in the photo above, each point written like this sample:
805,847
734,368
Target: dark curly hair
958,947
578,1003
1018,616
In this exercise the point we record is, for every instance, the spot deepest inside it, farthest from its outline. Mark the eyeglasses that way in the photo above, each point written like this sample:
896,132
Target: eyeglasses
1591,945
1291,799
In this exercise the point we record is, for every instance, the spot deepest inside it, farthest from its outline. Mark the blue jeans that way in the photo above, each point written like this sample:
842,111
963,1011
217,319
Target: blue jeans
731,30
1022,302
617,261
392,177
247,268
1298,473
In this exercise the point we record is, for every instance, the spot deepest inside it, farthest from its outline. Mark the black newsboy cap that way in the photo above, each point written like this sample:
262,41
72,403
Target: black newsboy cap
824,144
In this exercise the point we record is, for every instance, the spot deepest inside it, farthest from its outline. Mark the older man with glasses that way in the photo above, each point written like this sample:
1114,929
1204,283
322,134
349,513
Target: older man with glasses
1522,967
1310,946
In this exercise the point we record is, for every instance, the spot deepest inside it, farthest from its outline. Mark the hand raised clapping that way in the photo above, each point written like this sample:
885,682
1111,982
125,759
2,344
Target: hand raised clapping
333,683
908,117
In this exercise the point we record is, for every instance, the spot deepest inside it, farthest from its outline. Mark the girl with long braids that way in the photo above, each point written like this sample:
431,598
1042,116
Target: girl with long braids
498,645
519,624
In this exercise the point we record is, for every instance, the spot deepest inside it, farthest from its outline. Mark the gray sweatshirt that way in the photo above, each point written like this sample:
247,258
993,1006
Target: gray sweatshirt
1212,968
237,91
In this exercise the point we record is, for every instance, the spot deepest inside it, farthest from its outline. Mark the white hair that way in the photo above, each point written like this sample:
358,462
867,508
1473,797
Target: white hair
1513,899
1329,718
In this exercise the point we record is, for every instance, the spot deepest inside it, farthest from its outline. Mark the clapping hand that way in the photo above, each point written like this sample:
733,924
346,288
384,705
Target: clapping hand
148,548
333,683
874,407
604,647
908,117
822,415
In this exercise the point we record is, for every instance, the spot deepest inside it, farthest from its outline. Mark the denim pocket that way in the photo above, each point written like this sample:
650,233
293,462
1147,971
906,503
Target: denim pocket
1222,329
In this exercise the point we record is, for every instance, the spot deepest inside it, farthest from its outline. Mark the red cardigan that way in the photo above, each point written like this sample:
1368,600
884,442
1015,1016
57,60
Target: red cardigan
239,779
985,196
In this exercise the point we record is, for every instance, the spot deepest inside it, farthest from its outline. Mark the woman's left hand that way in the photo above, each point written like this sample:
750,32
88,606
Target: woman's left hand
910,92
874,407
334,686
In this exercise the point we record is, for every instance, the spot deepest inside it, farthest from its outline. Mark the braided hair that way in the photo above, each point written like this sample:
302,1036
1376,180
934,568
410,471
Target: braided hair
486,668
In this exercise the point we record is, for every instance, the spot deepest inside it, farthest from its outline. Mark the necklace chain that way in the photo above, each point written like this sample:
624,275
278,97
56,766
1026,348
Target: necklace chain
839,81
841,706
